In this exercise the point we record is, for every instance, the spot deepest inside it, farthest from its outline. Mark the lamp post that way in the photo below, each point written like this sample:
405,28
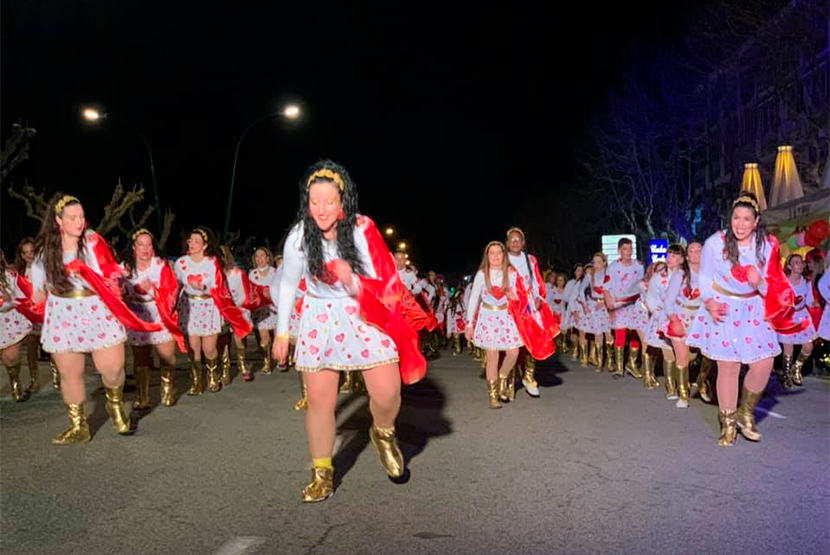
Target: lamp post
291,112
93,116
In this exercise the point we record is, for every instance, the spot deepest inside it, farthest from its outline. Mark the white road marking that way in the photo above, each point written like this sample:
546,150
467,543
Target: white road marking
241,545
771,413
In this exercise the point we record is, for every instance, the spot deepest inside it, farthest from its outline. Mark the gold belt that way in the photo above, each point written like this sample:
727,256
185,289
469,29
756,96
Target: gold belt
74,294
723,291
489,306
689,306
199,297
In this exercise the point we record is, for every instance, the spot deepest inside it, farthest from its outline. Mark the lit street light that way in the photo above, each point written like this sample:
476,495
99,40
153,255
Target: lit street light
402,246
94,116
390,231
290,111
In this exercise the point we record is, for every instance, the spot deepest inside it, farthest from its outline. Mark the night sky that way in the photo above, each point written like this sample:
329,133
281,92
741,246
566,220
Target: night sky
456,124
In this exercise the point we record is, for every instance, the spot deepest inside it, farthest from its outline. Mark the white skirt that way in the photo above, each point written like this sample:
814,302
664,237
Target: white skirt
265,318
656,333
199,317
332,335
801,337
824,324
15,328
148,312
597,320
294,323
630,317
79,325
496,331
744,336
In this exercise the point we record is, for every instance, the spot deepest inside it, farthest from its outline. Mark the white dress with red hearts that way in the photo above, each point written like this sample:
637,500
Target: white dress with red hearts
455,318
624,285
596,320
77,325
265,318
556,300
198,313
143,303
495,329
682,299
36,327
331,333
14,327
236,287
824,290
803,298
743,336
658,286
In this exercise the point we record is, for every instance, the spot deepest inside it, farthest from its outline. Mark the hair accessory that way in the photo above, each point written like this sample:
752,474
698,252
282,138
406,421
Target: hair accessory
142,231
517,230
65,199
746,200
326,174
202,233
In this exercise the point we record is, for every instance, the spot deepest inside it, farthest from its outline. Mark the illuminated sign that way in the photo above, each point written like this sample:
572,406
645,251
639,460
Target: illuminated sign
609,246
658,248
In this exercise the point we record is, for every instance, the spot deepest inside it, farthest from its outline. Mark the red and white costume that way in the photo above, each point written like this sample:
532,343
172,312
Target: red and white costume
239,287
557,301
658,286
624,285
155,306
265,318
495,329
455,318
92,315
824,291
682,302
803,299
596,320
15,325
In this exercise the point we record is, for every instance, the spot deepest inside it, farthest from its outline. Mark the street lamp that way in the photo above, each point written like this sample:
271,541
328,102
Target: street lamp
402,246
291,112
94,116
390,231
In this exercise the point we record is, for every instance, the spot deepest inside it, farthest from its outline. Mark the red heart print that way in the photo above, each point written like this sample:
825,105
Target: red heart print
736,323
313,350
367,339
725,343
361,328
102,335
497,292
350,309
56,339
312,334
364,353
756,323
340,337
327,352
195,280
696,335
740,273
748,340
385,343
322,318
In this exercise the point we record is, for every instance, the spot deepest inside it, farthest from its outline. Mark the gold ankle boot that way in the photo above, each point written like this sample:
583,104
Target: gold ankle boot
631,367
594,356
583,355
493,393
346,383
671,385
242,365
14,379
619,370
56,375
576,351
79,432
728,429
321,486
702,381
745,416
511,383
115,407
529,377
266,359
649,381
142,386
802,359
610,364
168,393
33,376
682,386
783,375
226,366
197,385
456,344
302,404
214,379
391,458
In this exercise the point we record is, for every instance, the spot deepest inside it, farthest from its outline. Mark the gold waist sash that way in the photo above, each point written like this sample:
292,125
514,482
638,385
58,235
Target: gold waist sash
198,297
723,291
74,294
489,306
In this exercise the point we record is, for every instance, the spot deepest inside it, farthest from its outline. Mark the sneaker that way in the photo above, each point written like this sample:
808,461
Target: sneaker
531,389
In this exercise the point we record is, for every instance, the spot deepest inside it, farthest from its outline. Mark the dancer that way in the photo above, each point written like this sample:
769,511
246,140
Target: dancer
23,260
16,324
350,320
597,321
791,374
556,300
658,276
265,319
568,329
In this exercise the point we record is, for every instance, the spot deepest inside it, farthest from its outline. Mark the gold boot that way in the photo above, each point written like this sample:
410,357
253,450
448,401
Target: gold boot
302,404
456,344
595,356
197,385
14,378
631,367
576,351
358,384
511,383
115,407
391,458
802,359
583,355
168,393
321,486
266,359
226,365
783,375
346,382
619,370
33,376
493,393
671,385
745,416
529,378
682,387
649,381
728,430
142,386
79,432
214,380
242,365
702,381
56,376
609,357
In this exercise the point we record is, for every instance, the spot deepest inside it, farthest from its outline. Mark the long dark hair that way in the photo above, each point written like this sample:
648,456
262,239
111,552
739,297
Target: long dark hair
19,262
128,254
49,246
5,290
312,244
730,243
677,248
211,245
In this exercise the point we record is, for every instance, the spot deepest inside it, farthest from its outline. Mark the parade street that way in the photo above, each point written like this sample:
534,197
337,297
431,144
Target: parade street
593,466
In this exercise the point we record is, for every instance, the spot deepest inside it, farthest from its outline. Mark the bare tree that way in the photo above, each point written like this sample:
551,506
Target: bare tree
15,150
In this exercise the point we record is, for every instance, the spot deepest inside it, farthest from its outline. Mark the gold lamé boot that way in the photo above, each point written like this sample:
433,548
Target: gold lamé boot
583,355
456,344
608,363
79,431
14,379
56,376
302,404
266,359
631,366
511,383
391,458
576,352
529,377
33,376
242,365
783,374
728,429
619,370
745,415
503,387
346,382
493,393
214,379
197,385
702,381
799,363
142,386
682,387
321,486
671,384
168,393
115,407
358,384
595,356
649,381
226,366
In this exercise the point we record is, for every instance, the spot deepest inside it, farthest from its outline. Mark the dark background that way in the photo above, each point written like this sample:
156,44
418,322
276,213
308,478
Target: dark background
455,123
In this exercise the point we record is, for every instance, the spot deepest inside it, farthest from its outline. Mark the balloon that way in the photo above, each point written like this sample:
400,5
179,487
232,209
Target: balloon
786,230
800,239
817,232
793,242
784,250
802,251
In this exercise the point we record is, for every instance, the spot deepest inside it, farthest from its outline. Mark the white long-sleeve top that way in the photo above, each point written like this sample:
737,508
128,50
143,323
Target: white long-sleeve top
624,280
295,267
196,278
657,287
519,261
678,295
824,286
78,283
235,285
408,278
717,270
131,286
803,294
480,292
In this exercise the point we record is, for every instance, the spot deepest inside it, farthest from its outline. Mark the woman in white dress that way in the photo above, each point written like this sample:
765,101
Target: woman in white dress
265,319
15,327
23,260
803,299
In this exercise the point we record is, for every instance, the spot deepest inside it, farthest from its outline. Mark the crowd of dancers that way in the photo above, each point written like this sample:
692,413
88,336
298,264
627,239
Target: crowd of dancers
349,315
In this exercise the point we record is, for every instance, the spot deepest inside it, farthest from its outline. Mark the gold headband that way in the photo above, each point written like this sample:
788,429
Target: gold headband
326,174
517,230
142,231
203,234
747,200
66,199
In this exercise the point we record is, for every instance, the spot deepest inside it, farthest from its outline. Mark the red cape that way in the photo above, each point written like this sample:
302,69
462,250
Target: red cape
31,311
165,296
230,312
780,298
538,333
